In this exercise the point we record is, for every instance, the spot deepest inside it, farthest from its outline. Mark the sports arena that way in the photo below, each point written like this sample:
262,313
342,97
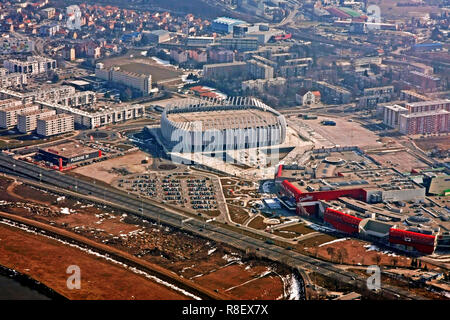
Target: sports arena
193,125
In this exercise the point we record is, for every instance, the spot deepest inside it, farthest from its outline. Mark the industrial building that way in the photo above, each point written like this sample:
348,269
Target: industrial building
56,124
68,153
212,125
225,24
156,36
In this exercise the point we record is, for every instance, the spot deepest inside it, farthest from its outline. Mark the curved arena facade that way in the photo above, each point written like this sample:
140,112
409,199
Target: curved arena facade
219,125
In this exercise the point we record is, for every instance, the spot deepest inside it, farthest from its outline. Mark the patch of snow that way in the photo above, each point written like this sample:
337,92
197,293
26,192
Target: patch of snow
230,258
373,247
292,287
321,228
333,241
106,257
65,211
211,251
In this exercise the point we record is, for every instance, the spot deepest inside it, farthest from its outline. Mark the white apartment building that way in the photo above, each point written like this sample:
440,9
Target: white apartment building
90,120
33,65
51,94
56,124
12,79
391,115
8,115
10,103
137,81
77,99
27,121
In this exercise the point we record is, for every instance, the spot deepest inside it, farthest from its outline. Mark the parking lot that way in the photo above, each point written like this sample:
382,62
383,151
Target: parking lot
183,189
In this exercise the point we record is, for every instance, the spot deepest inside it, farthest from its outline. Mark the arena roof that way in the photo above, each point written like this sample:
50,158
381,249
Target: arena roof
227,119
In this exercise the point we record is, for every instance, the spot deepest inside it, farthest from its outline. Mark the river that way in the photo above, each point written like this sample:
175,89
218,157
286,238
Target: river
12,289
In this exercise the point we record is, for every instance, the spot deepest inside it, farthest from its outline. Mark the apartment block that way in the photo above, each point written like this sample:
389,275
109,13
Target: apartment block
259,70
224,70
82,98
428,122
331,93
10,103
141,82
412,96
33,65
27,121
391,115
56,124
240,44
13,80
8,115
424,106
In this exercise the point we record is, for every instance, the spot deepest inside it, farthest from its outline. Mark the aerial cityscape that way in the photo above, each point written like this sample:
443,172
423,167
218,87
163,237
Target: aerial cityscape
225,150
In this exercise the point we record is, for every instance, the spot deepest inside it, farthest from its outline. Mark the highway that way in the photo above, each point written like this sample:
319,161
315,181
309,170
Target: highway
149,209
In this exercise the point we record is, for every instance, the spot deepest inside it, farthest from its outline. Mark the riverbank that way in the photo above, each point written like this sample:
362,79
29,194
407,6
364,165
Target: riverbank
18,286
46,260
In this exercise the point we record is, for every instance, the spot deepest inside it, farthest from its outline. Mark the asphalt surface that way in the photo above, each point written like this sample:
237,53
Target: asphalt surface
145,208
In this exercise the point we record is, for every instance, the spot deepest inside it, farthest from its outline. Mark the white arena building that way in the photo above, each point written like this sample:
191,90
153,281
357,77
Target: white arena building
193,125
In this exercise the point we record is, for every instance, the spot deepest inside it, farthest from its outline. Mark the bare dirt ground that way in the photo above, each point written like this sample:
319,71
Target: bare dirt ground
186,255
427,144
103,171
356,252
46,260
390,10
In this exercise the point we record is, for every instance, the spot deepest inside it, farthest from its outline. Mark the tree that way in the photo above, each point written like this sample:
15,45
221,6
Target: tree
376,259
394,261
331,252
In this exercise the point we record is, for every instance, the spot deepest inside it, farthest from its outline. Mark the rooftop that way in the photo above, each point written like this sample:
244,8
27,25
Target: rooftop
69,150
224,119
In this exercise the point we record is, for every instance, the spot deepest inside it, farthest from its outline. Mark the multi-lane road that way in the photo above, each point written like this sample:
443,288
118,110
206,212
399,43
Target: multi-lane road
149,209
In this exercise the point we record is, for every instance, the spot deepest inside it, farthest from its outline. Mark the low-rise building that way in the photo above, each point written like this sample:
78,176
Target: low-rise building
307,98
